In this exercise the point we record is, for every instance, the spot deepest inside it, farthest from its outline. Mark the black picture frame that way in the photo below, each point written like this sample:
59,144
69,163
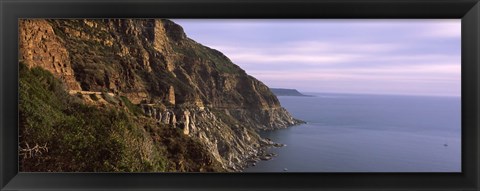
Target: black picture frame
467,10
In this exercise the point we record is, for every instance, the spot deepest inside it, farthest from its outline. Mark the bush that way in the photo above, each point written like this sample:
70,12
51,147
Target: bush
136,110
109,98
80,138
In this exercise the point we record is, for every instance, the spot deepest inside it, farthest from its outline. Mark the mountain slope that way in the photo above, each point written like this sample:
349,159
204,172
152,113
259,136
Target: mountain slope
151,70
287,92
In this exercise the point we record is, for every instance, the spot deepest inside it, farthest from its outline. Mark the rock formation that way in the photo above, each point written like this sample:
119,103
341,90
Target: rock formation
172,79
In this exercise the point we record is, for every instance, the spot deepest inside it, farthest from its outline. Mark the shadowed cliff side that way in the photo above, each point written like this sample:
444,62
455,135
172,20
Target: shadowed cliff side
151,70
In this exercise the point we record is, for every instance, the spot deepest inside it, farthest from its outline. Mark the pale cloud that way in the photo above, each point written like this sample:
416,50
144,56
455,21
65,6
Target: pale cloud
416,79
327,56
309,47
435,73
374,56
441,30
290,58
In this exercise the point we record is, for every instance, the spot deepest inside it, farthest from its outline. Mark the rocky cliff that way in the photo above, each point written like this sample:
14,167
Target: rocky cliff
152,70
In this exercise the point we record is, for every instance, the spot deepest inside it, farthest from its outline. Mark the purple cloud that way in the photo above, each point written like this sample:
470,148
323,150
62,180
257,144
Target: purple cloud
420,57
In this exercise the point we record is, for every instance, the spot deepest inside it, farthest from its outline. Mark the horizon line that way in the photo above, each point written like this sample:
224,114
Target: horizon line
379,94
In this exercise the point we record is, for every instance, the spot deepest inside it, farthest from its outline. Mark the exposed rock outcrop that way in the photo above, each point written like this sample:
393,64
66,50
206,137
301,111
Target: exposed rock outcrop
39,46
169,77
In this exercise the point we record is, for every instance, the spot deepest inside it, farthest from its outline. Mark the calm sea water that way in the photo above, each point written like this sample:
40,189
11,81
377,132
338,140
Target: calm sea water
368,133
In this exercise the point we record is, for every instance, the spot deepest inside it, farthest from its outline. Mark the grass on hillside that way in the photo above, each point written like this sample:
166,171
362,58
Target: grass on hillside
59,133
78,137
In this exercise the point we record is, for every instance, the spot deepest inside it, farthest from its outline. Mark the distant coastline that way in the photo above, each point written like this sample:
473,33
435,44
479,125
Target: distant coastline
288,92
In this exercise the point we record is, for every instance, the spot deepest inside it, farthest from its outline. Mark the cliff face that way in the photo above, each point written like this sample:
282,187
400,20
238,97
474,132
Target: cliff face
39,46
150,65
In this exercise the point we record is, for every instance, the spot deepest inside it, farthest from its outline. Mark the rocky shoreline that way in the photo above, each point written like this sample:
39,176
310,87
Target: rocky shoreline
265,144
263,154
150,70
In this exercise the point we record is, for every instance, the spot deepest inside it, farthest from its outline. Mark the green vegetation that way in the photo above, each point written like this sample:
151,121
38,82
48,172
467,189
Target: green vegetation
131,107
184,153
73,137
107,132
78,137
220,61
109,98
87,51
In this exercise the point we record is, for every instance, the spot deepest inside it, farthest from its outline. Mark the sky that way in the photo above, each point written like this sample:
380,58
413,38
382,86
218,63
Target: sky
408,57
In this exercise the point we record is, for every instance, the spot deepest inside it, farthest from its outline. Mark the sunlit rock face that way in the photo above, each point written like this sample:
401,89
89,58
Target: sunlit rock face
174,80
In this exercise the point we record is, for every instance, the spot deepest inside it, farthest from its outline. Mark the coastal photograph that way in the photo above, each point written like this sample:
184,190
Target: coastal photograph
239,95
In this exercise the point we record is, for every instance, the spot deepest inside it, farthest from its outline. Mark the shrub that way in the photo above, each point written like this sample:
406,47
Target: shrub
109,98
136,110
79,137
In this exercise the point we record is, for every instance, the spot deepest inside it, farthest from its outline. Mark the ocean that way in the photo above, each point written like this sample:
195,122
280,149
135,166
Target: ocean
368,133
